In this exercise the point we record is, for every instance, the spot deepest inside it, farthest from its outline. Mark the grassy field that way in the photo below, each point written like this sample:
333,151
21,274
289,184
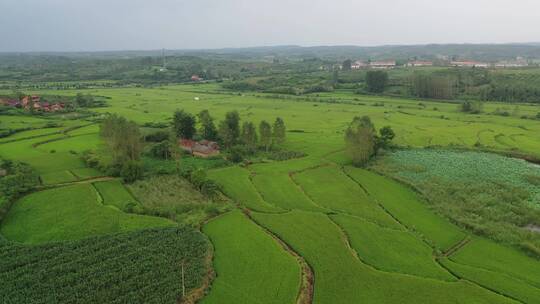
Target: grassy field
69,213
175,198
489,194
237,185
342,278
114,194
391,250
331,188
250,266
366,237
405,205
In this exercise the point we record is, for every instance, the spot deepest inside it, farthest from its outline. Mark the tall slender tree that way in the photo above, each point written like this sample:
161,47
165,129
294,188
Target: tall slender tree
208,128
360,138
265,132
229,129
278,131
184,124
249,135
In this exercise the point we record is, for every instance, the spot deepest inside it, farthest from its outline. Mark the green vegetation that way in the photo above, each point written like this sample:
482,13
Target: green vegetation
123,139
361,233
341,194
237,185
15,180
376,81
405,205
115,194
391,250
489,194
175,198
342,278
71,213
137,267
255,269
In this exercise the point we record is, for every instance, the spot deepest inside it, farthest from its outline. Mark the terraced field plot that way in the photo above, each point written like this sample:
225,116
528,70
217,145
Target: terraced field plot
246,259
69,213
342,278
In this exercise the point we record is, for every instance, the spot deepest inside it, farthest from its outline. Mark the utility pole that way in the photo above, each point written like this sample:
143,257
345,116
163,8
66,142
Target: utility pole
183,285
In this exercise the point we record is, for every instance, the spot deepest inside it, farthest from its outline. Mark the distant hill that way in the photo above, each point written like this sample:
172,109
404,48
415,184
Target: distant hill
485,52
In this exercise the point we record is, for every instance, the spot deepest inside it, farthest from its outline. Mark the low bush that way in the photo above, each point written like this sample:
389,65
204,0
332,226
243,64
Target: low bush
285,155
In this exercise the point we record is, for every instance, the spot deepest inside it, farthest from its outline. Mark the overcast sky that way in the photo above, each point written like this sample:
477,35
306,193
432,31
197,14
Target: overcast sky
89,25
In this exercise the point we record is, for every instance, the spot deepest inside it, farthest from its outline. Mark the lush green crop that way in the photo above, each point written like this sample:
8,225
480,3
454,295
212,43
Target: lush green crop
507,285
485,254
280,190
421,165
68,213
237,185
86,173
137,267
340,277
388,225
251,267
489,194
391,250
113,193
329,187
404,204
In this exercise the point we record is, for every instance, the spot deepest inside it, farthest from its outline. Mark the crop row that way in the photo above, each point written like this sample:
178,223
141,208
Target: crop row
139,267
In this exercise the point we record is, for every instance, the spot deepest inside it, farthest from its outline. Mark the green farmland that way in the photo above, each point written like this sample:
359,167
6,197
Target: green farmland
310,229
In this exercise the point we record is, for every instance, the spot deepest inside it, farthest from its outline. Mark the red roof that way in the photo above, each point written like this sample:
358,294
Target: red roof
186,143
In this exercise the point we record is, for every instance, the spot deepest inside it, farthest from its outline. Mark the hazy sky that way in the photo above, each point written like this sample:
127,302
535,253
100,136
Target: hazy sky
88,25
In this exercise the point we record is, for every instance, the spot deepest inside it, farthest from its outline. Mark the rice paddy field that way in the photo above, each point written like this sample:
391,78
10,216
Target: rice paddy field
313,229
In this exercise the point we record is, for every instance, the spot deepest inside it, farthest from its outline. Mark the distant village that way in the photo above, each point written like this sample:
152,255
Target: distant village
33,102
519,62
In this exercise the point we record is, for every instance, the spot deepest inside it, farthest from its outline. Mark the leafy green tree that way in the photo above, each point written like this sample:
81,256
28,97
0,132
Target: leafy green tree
346,65
376,81
386,135
208,128
184,124
265,132
161,150
472,107
83,101
229,129
131,171
123,139
278,131
249,135
197,178
360,139
237,153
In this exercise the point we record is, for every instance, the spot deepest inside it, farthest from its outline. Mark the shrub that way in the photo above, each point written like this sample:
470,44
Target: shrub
472,107
131,171
237,154
160,150
158,136
285,155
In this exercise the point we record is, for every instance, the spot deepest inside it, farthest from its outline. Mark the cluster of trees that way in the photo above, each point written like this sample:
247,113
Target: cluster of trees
15,179
363,142
88,101
123,138
433,86
230,133
376,81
